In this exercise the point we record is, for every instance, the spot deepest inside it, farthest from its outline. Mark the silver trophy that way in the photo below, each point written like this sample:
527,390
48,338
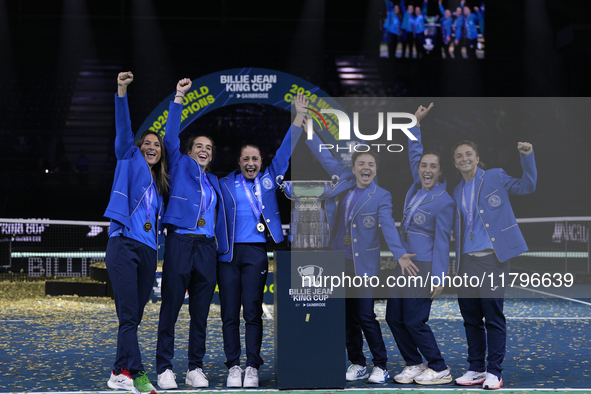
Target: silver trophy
309,227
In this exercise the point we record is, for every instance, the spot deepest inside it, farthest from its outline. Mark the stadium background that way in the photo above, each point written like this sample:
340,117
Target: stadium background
60,60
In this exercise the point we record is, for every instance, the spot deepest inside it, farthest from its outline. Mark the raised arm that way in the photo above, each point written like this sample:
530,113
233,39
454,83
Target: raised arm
301,104
326,159
441,9
415,148
124,136
173,123
280,162
527,183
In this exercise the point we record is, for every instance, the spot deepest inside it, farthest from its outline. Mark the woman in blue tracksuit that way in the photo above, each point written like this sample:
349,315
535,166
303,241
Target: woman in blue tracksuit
196,232
392,28
471,27
135,208
407,28
355,210
446,27
252,213
458,26
419,29
487,237
425,228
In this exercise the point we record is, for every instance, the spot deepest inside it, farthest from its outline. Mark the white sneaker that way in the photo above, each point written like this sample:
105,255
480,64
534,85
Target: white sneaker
234,377
251,377
409,373
196,378
492,382
167,380
471,378
378,375
356,372
428,376
122,380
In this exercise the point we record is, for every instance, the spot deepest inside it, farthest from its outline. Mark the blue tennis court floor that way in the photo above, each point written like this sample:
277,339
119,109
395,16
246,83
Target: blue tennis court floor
67,344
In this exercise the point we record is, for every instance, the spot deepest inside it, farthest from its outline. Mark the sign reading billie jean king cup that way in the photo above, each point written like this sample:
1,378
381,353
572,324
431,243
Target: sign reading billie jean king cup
309,289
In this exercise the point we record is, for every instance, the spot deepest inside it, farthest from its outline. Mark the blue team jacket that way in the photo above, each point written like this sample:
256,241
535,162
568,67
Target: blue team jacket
392,22
419,26
430,230
408,20
373,208
471,26
269,185
445,25
132,174
458,25
185,175
494,209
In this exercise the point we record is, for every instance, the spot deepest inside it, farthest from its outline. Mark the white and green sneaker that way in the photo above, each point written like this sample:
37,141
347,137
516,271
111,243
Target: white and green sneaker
142,384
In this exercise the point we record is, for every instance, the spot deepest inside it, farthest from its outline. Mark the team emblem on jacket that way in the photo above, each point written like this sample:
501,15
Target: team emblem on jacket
369,221
419,218
494,201
267,184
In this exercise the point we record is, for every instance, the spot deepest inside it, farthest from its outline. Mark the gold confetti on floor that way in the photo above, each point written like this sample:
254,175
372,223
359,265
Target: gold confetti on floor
68,343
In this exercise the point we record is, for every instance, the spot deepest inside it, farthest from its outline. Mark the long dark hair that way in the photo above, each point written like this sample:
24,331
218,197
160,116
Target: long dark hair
189,145
471,145
160,169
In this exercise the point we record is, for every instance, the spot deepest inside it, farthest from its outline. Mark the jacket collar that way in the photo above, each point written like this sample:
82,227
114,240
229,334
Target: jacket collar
436,191
365,196
479,174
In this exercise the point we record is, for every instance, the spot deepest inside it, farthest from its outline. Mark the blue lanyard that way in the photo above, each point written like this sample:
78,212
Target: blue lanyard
349,209
149,198
257,207
469,211
414,206
205,181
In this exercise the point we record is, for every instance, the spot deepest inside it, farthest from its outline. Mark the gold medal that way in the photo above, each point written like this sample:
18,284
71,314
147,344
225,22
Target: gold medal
347,240
201,222
148,226
260,227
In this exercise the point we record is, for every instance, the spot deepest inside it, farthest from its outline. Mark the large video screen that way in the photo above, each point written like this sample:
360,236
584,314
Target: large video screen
449,29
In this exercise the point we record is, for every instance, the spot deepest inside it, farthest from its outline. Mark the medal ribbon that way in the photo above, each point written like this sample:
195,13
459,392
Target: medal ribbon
349,213
203,207
469,211
149,198
257,207
414,204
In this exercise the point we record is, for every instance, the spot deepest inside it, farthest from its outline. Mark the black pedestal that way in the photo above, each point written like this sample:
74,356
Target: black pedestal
309,321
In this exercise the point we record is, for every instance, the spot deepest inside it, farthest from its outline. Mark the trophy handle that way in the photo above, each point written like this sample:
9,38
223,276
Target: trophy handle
335,179
279,182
